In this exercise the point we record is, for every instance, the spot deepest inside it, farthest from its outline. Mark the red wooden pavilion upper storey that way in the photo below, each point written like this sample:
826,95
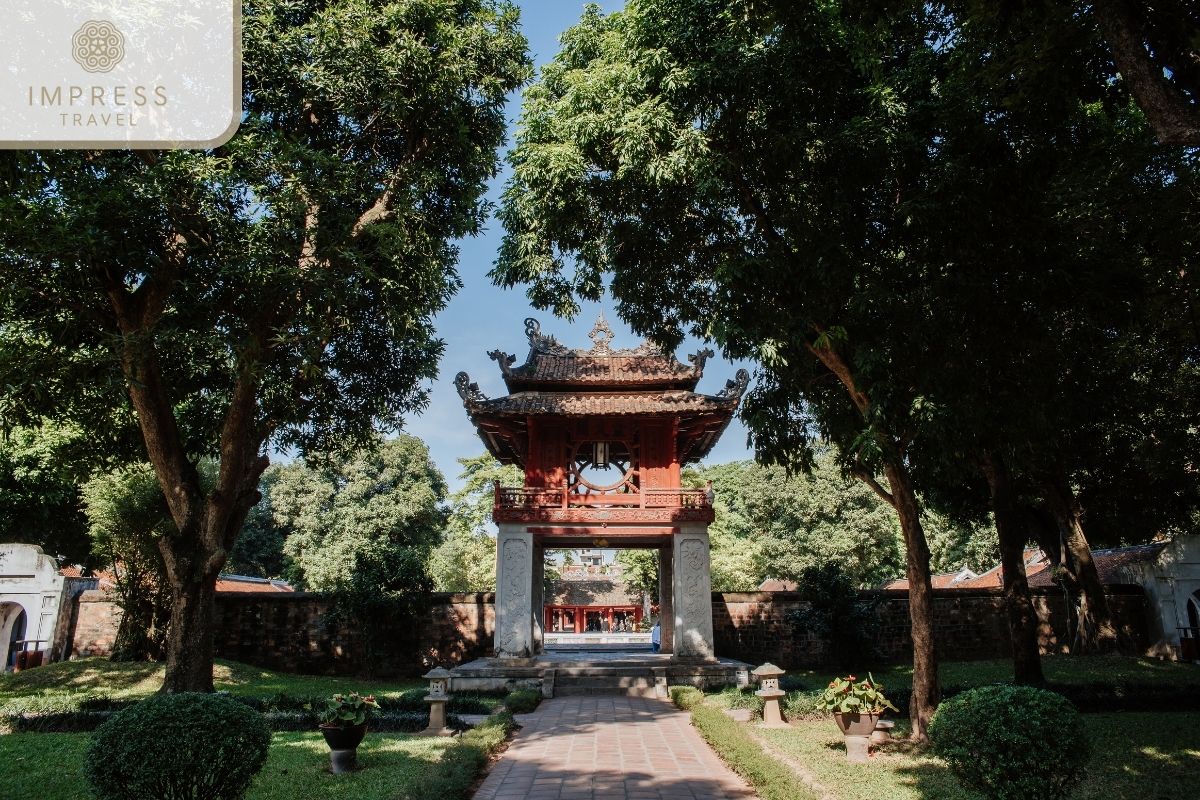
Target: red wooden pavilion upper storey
601,433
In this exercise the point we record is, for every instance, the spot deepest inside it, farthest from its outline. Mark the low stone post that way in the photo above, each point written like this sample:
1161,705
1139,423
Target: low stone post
439,695
768,675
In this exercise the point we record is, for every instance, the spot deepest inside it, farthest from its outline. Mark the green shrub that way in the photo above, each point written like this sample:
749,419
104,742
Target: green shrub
738,697
770,779
187,745
522,701
461,763
686,697
1011,742
803,705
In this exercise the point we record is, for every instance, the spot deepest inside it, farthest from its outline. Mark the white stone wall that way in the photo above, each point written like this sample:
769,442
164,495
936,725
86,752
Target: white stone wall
1170,582
29,582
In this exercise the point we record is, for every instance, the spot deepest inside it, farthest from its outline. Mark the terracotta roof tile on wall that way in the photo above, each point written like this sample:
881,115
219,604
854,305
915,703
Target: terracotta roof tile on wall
598,591
1110,563
70,572
244,583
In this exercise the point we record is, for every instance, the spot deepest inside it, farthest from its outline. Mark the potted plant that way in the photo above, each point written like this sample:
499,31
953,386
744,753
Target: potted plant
344,724
856,705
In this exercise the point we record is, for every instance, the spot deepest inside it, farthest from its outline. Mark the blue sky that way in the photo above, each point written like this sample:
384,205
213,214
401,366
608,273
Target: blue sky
484,317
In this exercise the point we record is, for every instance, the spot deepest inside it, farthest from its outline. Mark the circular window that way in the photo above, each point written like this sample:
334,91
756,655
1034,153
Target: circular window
603,467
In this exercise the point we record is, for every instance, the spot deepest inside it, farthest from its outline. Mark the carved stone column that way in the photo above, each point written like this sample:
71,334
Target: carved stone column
514,592
692,583
666,604
537,610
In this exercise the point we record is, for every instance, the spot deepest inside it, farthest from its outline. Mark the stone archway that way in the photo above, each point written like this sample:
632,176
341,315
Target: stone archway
14,621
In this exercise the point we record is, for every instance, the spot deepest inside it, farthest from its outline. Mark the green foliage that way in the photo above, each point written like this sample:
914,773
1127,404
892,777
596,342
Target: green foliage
522,701
851,696
739,697
771,779
771,524
276,293
639,571
41,468
126,515
460,764
465,560
686,697
361,527
1012,742
347,710
834,612
203,747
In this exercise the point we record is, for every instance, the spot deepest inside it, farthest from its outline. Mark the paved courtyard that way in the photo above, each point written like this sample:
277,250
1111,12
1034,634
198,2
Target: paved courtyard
631,748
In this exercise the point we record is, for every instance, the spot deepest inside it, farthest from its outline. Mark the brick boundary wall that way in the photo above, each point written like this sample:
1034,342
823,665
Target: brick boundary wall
293,632
969,624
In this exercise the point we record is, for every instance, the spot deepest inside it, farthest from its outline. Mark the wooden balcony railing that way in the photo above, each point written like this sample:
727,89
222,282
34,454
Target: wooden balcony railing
535,497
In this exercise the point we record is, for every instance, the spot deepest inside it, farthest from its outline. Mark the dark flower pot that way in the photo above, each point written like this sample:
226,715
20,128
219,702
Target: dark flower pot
856,724
343,745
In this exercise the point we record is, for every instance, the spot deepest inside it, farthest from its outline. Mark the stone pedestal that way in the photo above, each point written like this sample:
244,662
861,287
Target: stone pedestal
514,593
666,606
858,749
437,717
692,585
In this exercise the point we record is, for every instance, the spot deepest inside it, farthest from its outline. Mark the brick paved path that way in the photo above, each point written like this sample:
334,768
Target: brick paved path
600,747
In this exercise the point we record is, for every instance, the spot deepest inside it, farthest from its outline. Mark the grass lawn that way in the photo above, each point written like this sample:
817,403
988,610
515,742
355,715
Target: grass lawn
1135,757
393,766
1063,669
101,677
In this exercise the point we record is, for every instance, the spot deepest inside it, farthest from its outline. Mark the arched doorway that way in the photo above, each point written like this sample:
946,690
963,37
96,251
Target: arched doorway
1189,637
13,622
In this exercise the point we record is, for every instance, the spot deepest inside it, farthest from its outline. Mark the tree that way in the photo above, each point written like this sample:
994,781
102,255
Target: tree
855,196
127,515
369,519
259,547
361,528
41,469
770,524
465,561
735,168
276,291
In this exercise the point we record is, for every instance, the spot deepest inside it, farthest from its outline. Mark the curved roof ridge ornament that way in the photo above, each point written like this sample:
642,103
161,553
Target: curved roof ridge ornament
735,387
542,343
467,390
504,360
699,358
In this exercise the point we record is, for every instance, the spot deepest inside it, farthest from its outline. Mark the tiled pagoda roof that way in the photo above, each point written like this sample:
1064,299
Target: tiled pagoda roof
551,365
603,404
600,382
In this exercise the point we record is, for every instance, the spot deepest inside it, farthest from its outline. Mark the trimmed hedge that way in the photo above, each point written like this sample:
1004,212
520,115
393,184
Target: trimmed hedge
186,745
461,762
1011,742
302,720
745,756
522,701
686,697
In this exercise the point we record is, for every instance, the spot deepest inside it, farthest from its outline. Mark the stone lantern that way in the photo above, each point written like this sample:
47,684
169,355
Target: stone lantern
768,676
439,695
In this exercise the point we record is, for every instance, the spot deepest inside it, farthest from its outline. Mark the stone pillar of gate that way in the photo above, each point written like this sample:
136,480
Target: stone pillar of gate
692,583
538,609
514,592
666,605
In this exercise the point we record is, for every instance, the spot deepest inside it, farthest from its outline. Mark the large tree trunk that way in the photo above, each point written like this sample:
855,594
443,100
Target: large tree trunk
190,640
901,496
1096,632
926,692
1022,617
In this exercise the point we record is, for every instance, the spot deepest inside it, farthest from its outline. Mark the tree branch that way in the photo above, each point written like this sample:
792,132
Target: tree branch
1173,118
